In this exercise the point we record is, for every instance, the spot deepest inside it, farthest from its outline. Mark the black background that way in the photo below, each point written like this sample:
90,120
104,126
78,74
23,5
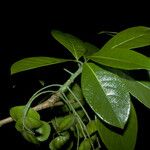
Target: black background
25,31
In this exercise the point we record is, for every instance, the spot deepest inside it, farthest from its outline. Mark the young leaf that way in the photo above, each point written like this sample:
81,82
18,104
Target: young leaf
17,113
85,145
106,94
59,141
91,127
31,123
129,38
72,43
63,123
140,90
34,62
123,140
44,131
30,137
122,59
77,92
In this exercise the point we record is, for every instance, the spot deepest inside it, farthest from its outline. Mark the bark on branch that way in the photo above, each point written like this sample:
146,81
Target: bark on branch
51,102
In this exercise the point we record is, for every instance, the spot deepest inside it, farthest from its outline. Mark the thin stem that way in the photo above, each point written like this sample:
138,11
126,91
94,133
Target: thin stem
78,137
64,97
70,80
78,101
28,105
81,123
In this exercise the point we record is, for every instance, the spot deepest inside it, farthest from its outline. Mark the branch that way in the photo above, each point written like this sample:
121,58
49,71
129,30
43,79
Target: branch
51,102
54,100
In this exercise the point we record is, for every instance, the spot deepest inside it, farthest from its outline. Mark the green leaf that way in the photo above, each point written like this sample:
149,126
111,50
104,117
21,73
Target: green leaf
31,123
63,123
44,131
91,127
34,62
17,113
140,90
106,94
85,145
59,141
30,137
130,38
123,140
90,49
72,43
76,89
122,59
39,127
77,92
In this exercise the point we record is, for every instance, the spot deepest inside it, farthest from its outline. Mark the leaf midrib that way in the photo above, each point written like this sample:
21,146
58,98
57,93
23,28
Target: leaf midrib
104,94
126,41
110,58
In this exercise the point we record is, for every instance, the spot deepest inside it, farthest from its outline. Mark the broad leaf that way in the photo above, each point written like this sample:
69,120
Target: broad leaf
72,43
123,140
140,90
17,113
122,59
106,94
34,62
129,38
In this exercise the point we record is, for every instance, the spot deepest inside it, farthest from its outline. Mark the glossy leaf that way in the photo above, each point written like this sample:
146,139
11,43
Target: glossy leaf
44,131
17,113
34,62
106,94
129,38
59,141
90,49
122,59
72,43
140,90
123,140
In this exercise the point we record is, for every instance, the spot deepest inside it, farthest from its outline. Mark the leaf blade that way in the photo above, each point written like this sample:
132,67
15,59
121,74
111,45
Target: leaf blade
140,90
72,43
112,91
130,38
34,62
17,113
123,140
122,59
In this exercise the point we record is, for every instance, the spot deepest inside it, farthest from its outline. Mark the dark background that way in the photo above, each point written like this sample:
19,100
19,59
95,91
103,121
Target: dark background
25,31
